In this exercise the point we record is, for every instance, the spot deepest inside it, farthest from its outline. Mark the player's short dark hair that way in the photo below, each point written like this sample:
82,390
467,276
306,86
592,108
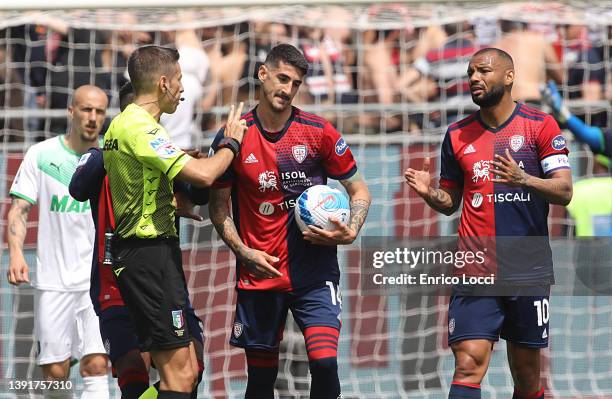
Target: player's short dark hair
126,95
289,55
146,64
499,52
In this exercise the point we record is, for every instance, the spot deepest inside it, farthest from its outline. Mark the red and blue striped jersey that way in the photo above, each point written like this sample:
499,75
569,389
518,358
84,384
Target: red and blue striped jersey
270,172
494,209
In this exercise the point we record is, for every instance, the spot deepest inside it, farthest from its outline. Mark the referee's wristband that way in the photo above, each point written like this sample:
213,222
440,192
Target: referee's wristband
231,144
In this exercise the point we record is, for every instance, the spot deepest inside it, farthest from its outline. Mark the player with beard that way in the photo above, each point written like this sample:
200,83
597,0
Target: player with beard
515,153
285,151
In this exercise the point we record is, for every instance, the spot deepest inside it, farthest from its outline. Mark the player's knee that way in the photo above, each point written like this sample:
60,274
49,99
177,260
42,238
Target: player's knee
94,365
469,367
55,371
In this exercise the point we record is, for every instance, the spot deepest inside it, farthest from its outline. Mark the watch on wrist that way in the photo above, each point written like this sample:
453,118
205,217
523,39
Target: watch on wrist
231,144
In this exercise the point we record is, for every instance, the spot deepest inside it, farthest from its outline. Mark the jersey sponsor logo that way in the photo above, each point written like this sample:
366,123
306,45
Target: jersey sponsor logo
111,144
267,181
451,326
237,330
61,205
251,159
83,159
516,142
294,178
341,146
477,199
300,152
481,171
470,149
266,208
509,197
558,142
164,149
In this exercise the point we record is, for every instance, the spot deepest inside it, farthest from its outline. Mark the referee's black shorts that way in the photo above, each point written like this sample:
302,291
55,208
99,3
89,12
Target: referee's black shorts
150,276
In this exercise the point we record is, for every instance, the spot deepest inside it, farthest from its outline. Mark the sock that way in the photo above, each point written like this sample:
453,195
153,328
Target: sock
325,383
133,382
322,348
95,387
173,395
150,393
536,395
464,390
262,368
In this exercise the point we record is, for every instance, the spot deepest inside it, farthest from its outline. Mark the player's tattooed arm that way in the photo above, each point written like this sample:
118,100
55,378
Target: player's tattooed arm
443,200
556,188
258,262
17,228
360,200
345,233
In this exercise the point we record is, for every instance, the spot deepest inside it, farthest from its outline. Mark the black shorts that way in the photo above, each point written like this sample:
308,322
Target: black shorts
150,276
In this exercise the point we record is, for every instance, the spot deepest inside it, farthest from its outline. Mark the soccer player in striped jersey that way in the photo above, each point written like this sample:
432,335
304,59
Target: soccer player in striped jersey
65,322
507,162
285,151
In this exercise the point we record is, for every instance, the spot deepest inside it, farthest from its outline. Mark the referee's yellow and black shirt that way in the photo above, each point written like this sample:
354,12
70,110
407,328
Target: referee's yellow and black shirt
141,161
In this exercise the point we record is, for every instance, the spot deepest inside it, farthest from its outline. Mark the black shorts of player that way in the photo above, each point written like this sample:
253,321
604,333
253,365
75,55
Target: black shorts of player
150,276
119,333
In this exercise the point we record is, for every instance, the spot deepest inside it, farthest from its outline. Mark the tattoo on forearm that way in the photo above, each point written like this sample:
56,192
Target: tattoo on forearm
219,216
439,200
18,218
359,212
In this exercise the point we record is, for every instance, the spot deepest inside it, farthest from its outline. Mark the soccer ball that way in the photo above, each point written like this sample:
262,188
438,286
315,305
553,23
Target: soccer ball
315,206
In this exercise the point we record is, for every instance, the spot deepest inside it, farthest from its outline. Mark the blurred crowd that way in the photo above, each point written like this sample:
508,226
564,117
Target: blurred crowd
381,71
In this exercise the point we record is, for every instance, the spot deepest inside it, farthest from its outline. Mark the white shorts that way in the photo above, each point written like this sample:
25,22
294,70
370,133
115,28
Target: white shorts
65,326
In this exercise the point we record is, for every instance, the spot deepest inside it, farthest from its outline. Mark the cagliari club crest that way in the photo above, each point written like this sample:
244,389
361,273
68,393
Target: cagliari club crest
300,152
237,329
516,142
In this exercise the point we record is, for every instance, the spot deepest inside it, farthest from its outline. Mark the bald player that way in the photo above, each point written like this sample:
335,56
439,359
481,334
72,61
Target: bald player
507,162
66,325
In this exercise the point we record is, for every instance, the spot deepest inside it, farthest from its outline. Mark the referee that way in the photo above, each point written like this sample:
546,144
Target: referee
141,163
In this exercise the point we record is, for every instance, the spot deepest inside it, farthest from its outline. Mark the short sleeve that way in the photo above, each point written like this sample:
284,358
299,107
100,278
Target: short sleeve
552,147
227,178
451,175
155,150
337,157
26,183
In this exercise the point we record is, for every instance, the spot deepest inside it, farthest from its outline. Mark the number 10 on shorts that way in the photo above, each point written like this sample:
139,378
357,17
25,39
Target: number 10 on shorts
542,309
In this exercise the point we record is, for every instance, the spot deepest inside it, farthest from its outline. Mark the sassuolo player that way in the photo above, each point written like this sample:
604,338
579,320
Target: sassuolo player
65,322
285,151
507,162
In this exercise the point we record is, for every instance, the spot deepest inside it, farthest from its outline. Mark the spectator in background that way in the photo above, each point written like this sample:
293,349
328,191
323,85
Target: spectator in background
11,96
440,74
534,60
585,68
194,67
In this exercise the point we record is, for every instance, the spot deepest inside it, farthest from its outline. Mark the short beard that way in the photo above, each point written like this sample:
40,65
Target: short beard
491,98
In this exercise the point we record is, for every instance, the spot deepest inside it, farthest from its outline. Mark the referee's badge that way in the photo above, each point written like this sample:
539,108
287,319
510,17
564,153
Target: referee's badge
516,142
237,330
177,319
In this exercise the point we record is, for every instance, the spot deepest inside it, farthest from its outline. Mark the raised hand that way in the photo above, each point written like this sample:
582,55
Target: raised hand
419,180
235,126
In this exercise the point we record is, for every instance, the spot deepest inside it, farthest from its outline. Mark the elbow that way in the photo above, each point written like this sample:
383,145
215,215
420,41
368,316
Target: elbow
567,196
205,179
